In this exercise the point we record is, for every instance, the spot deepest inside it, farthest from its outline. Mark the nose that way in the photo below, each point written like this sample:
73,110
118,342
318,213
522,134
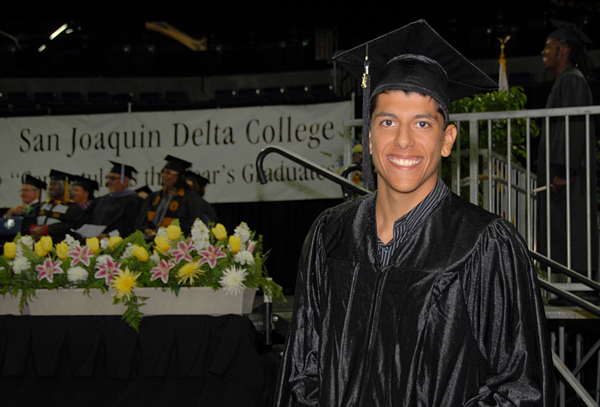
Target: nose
404,137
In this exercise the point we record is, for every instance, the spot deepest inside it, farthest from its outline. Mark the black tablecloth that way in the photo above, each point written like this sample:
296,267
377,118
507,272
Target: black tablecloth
101,361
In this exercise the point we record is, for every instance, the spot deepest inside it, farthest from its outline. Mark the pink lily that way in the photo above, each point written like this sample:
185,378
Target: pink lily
251,245
183,251
48,269
107,270
211,255
161,271
80,255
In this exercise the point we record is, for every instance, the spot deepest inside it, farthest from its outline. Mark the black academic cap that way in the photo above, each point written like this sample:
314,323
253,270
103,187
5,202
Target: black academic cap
570,32
59,175
36,182
88,184
412,58
197,178
145,189
124,170
177,164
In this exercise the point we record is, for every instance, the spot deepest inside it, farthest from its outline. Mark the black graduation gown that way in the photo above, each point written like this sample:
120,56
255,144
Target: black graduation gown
186,205
455,320
570,89
60,217
116,212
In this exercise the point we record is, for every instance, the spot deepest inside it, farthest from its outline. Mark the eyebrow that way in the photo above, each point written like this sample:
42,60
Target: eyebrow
418,116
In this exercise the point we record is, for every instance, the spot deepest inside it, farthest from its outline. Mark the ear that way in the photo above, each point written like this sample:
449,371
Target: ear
449,138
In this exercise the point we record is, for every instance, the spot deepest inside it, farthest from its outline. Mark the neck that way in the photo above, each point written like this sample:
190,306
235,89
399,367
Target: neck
560,68
392,205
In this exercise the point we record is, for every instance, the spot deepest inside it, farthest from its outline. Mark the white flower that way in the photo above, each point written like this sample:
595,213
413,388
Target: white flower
128,251
233,279
75,274
200,235
243,232
20,264
155,257
244,257
162,231
104,242
27,241
72,242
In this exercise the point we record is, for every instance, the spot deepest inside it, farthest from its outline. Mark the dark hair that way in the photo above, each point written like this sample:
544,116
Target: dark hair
438,106
578,57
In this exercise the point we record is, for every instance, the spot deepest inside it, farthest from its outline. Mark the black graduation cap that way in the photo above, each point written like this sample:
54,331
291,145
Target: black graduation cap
570,32
36,182
145,189
60,176
88,184
123,169
197,178
412,58
177,164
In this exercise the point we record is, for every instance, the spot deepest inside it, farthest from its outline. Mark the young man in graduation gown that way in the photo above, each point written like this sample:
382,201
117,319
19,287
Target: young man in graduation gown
58,215
175,201
121,208
412,296
565,55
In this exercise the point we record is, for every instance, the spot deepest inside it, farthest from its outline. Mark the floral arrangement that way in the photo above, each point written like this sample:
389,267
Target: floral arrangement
208,258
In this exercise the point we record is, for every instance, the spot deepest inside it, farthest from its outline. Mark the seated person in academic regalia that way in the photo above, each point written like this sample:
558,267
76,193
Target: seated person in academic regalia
83,191
58,215
120,209
31,191
175,201
198,184
144,191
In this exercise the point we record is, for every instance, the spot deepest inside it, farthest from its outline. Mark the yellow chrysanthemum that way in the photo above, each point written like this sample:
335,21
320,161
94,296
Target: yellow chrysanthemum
188,272
123,283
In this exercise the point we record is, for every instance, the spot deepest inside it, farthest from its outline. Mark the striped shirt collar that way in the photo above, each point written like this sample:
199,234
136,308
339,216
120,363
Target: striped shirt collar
407,223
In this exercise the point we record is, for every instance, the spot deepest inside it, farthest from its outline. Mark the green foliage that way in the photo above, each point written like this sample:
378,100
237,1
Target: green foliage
498,101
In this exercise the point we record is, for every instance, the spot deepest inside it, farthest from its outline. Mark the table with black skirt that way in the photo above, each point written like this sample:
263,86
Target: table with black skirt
101,361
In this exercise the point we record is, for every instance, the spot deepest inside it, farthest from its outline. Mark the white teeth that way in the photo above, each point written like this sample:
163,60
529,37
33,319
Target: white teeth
405,162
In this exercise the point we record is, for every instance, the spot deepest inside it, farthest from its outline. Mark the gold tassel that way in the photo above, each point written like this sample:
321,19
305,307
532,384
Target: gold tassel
67,194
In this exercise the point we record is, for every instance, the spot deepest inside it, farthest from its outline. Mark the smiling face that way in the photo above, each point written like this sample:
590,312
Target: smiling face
169,178
29,193
56,189
80,195
407,140
114,184
554,54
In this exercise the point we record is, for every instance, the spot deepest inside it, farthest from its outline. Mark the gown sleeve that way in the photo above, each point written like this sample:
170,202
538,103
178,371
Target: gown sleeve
298,382
504,303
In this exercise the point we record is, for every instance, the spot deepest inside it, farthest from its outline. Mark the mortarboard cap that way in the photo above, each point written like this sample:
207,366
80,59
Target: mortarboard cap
412,58
570,32
88,184
124,170
177,164
197,178
145,189
61,176
36,182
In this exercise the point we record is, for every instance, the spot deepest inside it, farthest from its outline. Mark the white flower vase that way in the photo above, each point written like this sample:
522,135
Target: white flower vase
190,301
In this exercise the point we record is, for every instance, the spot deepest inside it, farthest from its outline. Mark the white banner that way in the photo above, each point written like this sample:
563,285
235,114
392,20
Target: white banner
222,144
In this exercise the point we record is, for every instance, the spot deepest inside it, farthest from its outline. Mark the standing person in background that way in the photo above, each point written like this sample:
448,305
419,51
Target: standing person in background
565,55
175,201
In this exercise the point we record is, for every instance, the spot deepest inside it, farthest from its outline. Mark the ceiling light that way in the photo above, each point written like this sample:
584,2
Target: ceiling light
57,32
